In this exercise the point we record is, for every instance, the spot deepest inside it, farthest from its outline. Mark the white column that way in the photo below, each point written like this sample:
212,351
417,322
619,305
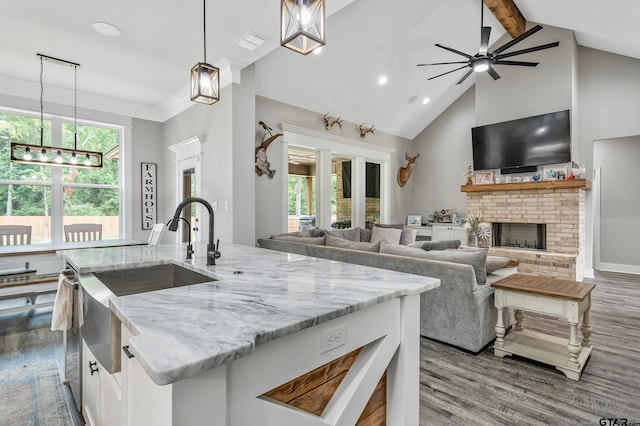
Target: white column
323,189
358,192
385,191
284,184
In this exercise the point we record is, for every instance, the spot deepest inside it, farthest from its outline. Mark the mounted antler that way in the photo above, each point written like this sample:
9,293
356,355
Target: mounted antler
404,173
364,130
330,121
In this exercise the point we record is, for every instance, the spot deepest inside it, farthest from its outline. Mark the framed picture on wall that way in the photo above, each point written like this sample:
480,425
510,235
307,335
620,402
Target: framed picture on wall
484,177
414,220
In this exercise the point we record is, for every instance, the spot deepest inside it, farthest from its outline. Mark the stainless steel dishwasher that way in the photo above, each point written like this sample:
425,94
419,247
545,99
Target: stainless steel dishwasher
72,340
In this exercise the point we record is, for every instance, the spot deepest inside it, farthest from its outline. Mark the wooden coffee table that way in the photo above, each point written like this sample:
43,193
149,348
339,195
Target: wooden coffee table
566,299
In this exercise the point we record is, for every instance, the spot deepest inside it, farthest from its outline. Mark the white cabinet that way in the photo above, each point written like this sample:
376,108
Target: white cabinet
447,231
100,392
143,401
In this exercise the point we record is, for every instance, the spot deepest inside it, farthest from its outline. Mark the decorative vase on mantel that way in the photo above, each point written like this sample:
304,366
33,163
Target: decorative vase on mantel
472,239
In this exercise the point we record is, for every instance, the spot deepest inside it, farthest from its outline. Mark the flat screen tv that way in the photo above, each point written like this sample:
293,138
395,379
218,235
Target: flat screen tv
522,143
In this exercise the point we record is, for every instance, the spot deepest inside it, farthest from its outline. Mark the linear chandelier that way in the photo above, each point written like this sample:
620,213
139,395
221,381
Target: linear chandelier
51,155
302,25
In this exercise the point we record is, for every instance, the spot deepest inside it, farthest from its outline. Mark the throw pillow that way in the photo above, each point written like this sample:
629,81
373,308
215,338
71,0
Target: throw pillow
391,235
301,240
365,235
408,236
351,245
475,258
496,262
347,234
386,225
436,245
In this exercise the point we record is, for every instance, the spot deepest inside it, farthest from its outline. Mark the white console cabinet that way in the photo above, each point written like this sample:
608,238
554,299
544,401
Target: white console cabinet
447,231
100,392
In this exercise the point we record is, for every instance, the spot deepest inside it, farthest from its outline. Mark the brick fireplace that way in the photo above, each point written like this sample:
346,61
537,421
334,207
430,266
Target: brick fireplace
559,205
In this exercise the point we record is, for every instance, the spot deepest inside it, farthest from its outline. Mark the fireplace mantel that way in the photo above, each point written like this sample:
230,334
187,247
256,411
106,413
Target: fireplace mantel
521,186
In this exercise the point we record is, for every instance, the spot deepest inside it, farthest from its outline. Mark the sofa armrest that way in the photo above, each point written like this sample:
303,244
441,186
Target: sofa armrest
282,245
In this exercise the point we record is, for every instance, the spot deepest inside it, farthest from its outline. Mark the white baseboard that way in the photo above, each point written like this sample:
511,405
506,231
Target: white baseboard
589,273
616,267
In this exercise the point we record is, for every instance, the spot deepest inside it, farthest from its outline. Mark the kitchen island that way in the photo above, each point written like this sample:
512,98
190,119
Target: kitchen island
215,352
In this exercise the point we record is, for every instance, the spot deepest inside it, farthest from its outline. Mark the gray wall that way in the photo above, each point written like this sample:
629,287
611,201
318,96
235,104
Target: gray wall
619,202
269,193
445,148
213,124
146,147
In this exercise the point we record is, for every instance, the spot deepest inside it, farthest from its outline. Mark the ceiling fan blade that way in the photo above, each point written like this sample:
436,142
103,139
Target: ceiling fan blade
484,40
529,50
464,77
448,72
450,49
493,73
518,63
517,39
442,63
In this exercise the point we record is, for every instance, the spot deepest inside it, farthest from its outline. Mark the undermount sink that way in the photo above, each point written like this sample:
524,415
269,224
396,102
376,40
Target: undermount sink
101,328
124,282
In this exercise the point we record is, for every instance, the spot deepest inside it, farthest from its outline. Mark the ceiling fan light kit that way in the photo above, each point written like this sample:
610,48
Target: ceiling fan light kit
205,78
483,61
302,25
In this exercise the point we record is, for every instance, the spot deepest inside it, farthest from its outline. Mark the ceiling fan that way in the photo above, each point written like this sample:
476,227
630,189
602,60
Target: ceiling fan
484,60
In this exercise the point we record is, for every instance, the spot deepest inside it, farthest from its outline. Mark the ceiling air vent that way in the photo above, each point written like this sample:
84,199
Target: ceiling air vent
250,41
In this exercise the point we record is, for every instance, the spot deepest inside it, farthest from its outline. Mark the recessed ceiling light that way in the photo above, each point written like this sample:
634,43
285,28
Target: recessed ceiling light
382,80
106,28
412,99
317,50
425,101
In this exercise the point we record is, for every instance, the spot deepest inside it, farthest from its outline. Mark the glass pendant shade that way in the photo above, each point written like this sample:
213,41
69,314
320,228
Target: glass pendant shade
205,83
302,25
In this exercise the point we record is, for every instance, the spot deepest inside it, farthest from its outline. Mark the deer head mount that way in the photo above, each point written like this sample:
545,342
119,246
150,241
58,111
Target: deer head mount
364,130
330,121
404,173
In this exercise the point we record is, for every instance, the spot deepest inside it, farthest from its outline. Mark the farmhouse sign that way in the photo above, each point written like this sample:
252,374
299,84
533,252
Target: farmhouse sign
149,195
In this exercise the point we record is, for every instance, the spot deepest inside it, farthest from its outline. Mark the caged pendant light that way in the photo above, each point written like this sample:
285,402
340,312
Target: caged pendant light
205,78
302,25
56,156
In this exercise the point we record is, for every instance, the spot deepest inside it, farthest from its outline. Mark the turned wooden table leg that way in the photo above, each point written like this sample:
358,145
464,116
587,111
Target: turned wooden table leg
500,330
519,320
574,346
586,329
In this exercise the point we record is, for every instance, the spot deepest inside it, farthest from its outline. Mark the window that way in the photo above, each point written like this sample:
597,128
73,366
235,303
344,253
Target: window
45,197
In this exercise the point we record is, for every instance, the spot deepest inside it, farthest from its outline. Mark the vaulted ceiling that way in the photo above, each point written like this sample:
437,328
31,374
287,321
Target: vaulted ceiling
144,71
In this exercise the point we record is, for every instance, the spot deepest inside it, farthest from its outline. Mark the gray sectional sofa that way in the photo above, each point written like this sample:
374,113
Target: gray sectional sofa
460,312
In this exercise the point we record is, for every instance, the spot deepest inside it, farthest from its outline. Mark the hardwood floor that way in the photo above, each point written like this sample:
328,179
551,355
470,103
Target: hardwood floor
459,388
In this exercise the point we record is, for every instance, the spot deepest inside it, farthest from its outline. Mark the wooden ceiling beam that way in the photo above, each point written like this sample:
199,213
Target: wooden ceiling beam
509,16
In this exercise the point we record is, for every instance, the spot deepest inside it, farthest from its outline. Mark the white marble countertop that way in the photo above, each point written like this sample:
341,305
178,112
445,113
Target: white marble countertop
183,331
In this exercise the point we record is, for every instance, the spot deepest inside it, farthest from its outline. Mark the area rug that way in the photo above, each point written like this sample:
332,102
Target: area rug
33,395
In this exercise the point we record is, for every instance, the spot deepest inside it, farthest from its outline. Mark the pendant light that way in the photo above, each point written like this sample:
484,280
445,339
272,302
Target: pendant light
23,153
302,25
205,78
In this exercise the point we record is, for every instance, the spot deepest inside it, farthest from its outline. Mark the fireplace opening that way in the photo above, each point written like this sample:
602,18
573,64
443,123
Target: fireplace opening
521,235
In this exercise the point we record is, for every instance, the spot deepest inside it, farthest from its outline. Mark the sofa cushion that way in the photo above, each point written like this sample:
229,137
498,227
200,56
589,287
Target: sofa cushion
408,235
365,235
436,245
351,245
313,232
301,240
496,262
352,234
390,235
475,258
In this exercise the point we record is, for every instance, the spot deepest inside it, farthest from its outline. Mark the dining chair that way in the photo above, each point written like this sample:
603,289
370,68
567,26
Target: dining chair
15,234
83,232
